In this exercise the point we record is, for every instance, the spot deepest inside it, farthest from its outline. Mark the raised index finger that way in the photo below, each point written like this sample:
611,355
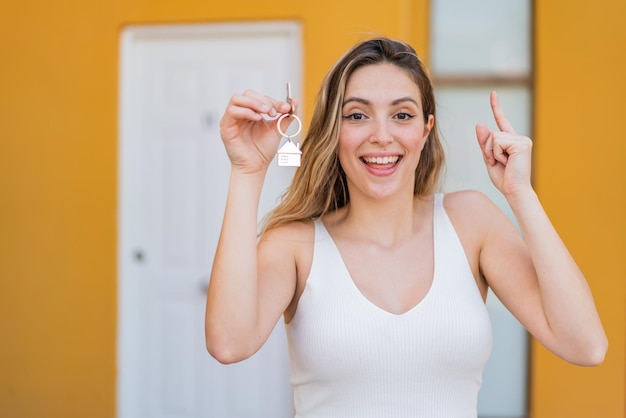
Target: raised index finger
503,123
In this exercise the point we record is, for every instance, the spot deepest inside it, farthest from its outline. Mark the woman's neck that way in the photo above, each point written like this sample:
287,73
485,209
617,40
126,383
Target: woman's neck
384,221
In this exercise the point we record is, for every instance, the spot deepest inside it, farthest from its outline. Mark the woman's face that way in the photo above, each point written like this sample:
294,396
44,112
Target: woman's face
382,131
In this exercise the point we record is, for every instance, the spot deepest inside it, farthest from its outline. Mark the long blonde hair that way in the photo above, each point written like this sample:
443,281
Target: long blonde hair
319,184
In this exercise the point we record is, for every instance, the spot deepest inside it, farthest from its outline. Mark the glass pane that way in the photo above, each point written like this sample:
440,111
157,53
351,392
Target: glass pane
480,37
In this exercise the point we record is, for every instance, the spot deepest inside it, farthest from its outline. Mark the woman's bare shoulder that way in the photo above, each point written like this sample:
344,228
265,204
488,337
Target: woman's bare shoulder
287,251
471,205
467,199
471,211
291,233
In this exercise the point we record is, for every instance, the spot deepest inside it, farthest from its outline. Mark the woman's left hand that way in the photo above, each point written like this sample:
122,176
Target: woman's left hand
506,154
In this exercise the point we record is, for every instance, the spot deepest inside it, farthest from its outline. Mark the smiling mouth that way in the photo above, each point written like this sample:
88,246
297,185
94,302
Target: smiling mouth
381,161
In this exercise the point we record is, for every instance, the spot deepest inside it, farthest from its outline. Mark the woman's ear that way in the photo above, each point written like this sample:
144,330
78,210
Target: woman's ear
428,126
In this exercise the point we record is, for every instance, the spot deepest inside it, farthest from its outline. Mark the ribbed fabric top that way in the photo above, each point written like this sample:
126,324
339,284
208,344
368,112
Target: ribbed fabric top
351,358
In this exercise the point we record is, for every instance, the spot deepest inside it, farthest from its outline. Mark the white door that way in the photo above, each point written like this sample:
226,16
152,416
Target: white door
175,84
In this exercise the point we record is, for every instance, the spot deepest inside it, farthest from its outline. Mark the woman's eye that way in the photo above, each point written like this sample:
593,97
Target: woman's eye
355,116
404,116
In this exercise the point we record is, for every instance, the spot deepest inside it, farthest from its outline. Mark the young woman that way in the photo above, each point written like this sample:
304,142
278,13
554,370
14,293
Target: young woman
381,279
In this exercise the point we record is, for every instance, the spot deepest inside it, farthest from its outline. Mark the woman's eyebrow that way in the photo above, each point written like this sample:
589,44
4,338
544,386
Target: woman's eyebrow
355,99
405,99
367,102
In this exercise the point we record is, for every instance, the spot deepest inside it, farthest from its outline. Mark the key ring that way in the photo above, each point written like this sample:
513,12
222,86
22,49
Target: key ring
290,114
284,134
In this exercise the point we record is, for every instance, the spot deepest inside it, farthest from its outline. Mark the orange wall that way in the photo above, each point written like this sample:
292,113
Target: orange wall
58,176
58,180
580,173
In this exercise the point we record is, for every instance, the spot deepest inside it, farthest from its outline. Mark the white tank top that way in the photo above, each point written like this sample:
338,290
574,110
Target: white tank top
350,358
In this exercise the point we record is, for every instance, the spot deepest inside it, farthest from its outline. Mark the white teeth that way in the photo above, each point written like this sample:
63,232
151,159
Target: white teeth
381,160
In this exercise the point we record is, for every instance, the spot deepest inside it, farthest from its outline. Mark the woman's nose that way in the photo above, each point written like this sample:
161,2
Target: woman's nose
381,134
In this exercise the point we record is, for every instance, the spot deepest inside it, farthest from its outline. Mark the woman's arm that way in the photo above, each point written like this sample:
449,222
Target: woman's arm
534,274
242,309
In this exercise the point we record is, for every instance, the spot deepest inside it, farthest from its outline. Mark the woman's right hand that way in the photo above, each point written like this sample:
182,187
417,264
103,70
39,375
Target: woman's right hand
250,138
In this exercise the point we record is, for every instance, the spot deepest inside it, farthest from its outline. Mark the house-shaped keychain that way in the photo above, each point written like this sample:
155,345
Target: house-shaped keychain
289,155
